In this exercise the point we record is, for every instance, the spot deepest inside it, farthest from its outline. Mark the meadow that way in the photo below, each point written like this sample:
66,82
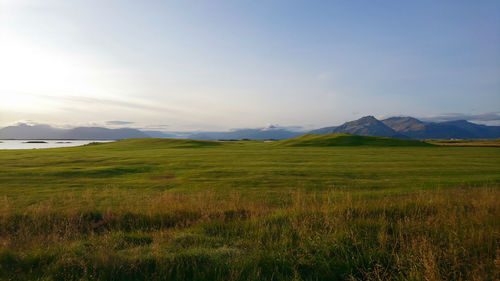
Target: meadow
315,208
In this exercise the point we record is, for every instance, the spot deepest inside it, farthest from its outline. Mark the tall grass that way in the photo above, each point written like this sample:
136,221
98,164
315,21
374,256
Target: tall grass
187,210
442,234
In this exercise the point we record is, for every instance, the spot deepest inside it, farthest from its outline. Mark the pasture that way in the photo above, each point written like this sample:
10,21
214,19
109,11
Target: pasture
160,209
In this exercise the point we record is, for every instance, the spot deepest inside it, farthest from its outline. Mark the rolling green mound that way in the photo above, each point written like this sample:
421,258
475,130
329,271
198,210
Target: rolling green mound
349,140
156,143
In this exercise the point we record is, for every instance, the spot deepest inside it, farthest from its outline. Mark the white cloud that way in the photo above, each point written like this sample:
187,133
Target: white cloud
489,116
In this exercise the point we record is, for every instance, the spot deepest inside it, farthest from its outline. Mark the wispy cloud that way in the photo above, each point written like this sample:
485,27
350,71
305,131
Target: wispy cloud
139,105
270,127
155,127
489,116
118,122
26,122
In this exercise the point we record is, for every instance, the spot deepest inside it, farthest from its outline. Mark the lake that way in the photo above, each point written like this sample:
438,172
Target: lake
37,144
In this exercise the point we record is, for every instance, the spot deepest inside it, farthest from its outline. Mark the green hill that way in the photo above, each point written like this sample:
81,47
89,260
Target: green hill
150,143
349,140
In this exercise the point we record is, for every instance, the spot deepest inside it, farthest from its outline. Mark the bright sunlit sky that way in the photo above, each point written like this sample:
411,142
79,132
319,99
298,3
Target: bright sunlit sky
216,65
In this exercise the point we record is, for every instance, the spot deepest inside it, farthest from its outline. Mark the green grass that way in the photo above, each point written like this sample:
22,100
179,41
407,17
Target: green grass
468,143
333,207
349,140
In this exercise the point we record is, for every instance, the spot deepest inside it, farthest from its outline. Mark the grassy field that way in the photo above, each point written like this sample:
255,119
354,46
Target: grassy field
469,143
306,209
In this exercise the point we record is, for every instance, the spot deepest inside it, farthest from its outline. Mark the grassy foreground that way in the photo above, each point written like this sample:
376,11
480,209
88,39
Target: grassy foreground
190,210
467,143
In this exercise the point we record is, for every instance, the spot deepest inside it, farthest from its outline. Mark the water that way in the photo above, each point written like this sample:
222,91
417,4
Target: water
23,144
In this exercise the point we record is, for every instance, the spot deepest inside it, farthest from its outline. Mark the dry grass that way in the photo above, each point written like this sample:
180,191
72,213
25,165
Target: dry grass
467,143
449,234
183,210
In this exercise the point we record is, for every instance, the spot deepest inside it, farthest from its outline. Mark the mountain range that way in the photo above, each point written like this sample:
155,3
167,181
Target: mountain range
25,131
366,126
412,128
252,134
396,127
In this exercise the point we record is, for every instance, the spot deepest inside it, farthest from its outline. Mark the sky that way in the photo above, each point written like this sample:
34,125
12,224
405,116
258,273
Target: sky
216,65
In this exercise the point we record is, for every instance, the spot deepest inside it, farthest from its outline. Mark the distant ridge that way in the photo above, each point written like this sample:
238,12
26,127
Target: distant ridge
394,127
159,134
348,140
365,126
409,127
459,129
98,133
24,131
253,134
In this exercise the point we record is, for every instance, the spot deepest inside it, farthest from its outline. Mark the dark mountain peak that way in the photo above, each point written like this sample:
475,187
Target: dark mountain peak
363,121
402,119
403,124
368,117
366,126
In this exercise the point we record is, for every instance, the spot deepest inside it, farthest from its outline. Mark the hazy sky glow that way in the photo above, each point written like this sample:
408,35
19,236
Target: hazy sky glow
214,65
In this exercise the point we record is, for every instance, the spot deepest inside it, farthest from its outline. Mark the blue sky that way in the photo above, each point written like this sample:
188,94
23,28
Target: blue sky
206,65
